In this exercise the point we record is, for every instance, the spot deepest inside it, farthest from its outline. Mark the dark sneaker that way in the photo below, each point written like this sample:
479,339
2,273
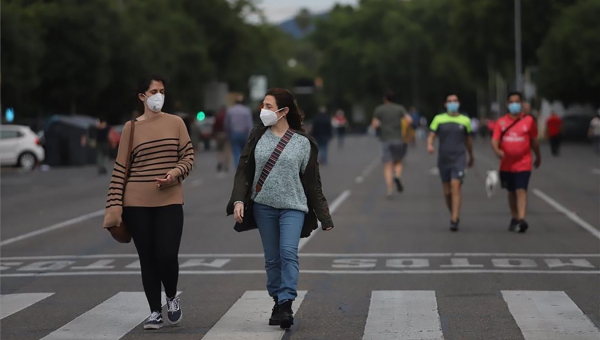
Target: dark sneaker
174,314
454,225
399,185
522,226
513,224
275,319
286,315
154,321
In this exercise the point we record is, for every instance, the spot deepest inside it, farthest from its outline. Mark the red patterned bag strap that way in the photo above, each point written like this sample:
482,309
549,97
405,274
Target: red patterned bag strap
273,159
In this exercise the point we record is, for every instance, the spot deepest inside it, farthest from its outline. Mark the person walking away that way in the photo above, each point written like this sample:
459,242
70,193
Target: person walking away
411,136
515,135
223,145
454,132
322,131
102,145
553,132
474,127
594,132
388,119
285,198
238,124
148,200
340,124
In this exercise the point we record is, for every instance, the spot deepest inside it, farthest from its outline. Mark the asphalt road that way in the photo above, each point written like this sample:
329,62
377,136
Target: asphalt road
390,269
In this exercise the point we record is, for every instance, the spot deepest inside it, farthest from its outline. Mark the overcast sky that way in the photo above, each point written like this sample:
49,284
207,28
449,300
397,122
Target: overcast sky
277,11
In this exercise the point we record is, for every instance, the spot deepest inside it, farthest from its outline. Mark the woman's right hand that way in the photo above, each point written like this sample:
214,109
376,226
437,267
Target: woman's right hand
238,212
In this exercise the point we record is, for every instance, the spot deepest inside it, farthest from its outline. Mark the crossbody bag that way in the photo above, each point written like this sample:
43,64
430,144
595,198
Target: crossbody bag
249,223
120,232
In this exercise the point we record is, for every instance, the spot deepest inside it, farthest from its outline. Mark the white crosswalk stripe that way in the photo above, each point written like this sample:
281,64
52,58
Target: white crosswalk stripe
246,319
12,303
111,319
397,315
543,315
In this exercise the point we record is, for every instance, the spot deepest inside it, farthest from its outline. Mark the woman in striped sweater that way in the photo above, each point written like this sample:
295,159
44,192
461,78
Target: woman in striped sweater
149,200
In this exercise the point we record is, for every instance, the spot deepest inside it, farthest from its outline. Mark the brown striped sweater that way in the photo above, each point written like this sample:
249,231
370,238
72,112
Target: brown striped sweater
161,146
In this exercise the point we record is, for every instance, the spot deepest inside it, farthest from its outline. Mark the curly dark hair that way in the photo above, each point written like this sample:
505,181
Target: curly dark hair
285,98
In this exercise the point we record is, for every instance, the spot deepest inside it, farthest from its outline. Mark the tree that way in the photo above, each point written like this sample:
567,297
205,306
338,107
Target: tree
570,67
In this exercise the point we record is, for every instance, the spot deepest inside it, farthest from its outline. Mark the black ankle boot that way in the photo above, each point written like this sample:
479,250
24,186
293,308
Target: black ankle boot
275,319
286,315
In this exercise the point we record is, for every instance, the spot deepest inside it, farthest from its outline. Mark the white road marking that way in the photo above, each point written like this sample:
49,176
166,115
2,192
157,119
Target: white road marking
246,319
398,315
112,319
543,315
12,303
367,171
259,255
570,214
332,208
318,271
53,227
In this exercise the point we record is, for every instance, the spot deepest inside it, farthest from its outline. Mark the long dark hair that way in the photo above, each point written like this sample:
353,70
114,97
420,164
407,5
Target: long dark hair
285,98
144,84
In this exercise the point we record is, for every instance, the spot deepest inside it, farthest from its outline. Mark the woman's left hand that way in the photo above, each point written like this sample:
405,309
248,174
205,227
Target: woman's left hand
327,228
168,179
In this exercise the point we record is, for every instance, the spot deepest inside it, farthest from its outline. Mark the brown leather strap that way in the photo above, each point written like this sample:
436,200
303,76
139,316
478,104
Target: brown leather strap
273,159
129,155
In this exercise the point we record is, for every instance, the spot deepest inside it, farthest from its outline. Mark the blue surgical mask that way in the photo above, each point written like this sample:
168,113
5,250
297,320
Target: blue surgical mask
514,108
452,107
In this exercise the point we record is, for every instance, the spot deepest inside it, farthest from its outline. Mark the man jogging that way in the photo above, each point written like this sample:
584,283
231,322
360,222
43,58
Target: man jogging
388,119
454,131
515,135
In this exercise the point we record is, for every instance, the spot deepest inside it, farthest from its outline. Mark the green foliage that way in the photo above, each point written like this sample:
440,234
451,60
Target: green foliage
427,48
85,56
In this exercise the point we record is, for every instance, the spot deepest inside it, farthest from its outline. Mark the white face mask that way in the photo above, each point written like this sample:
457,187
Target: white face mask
155,102
268,117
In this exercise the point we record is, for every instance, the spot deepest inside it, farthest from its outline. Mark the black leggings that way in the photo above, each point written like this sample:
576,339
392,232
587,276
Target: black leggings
156,233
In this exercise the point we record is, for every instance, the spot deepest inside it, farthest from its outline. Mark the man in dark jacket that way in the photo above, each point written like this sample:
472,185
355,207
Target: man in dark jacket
322,131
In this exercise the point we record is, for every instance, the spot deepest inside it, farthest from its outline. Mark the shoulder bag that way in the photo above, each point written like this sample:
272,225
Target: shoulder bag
249,222
120,232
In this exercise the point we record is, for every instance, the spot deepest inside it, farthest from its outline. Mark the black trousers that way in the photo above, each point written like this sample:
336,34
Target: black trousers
156,232
555,145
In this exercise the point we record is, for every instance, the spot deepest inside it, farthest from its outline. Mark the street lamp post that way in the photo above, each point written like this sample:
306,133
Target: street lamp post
518,57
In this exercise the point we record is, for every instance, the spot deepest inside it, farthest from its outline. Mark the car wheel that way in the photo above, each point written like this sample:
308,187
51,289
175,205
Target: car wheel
27,161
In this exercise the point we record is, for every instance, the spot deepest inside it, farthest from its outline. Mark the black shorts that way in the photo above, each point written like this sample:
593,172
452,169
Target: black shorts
512,181
449,172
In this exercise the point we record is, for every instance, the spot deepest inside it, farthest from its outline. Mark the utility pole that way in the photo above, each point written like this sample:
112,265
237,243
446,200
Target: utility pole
518,56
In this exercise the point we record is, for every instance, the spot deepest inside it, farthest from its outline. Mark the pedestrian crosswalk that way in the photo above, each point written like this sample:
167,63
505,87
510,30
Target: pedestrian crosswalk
397,315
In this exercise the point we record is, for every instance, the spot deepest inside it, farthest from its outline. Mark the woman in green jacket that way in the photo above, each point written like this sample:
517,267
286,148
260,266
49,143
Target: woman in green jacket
283,203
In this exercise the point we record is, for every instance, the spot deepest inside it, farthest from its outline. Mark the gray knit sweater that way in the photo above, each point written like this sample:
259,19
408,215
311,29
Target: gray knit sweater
283,188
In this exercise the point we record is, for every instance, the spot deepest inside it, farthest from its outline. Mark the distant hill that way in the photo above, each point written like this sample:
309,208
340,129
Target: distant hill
290,27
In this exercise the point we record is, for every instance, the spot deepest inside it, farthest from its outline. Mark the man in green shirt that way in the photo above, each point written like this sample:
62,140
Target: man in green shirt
454,131
388,120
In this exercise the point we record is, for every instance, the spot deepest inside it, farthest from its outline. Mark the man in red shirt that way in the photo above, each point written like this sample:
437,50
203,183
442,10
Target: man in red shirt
515,135
553,127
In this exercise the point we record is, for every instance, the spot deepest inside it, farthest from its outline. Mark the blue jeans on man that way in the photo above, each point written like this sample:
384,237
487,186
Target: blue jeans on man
238,141
280,231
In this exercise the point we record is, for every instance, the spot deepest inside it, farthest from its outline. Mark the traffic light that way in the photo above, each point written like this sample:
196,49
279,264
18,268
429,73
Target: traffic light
200,116
10,115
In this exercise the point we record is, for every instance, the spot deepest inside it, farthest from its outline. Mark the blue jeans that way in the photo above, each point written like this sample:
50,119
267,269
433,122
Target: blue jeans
280,233
323,152
238,141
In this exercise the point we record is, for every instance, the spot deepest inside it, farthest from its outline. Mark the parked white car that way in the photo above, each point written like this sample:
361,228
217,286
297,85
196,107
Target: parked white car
19,146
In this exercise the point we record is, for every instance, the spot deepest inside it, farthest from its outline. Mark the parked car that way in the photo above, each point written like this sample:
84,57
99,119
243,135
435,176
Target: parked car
20,146
575,127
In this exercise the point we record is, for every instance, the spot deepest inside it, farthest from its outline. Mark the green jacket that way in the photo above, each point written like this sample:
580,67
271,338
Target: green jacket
311,181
